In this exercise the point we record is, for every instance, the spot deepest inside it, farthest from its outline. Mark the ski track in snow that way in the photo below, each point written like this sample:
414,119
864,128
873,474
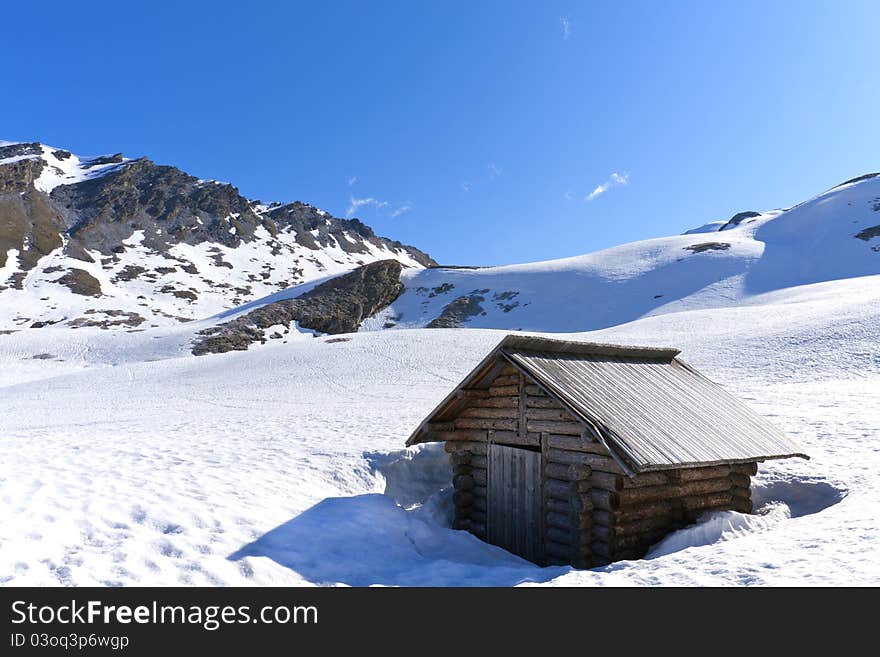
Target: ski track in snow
127,461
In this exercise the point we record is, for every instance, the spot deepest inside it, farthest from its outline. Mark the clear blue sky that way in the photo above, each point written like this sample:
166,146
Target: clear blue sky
478,129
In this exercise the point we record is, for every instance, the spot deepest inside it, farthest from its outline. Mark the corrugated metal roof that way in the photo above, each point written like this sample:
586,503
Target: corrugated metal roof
653,410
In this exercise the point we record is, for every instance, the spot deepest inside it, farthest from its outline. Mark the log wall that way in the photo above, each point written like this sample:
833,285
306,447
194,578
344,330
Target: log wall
593,512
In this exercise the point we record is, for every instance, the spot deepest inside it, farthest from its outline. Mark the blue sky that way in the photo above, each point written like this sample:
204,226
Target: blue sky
482,132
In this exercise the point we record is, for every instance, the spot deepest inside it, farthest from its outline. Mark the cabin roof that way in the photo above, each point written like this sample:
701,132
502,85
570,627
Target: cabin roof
650,409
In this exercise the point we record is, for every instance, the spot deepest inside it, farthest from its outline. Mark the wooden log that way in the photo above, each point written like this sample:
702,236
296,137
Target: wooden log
476,435
603,499
461,524
567,472
478,530
646,479
741,504
559,505
463,445
479,491
508,370
548,426
487,413
594,461
482,423
535,391
551,414
648,510
637,541
602,533
706,501
461,469
459,434
564,489
559,551
606,480
636,527
503,391
750,469
479,503
460,457
738,480
479,461
506,380
494,402
478,517
463,482
434,427
472,393
672,491
479,475
739,491
462,498
542,402
579,443
569,520
601,549
574,538
702,486
695,474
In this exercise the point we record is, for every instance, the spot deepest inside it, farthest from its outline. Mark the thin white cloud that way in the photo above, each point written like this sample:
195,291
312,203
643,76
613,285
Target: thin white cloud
613,180
494,171
568,195
406,207
465,186
356,204
352,181
566,27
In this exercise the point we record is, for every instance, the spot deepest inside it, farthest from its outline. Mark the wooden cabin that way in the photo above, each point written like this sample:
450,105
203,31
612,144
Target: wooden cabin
578,453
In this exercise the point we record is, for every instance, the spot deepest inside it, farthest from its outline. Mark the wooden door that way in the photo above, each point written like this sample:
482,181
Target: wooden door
515,501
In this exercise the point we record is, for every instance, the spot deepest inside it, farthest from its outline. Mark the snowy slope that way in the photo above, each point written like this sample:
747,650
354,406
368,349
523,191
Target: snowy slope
835,235
131,462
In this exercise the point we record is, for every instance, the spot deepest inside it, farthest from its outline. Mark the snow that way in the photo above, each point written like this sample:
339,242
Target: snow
127,461
69,170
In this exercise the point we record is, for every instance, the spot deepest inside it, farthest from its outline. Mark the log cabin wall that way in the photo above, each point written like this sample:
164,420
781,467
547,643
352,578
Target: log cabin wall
593,512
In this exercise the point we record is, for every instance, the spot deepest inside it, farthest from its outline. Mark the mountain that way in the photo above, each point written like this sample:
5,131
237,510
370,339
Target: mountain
123,243
835,235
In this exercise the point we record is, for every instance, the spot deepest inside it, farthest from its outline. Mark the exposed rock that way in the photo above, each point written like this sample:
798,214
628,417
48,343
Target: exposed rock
459,311
81,282
120,318
335,306
129,272
868,233
708,246
864,176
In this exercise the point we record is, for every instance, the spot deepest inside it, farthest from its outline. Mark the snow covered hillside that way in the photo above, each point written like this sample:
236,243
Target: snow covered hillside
835,235
127,461
127,244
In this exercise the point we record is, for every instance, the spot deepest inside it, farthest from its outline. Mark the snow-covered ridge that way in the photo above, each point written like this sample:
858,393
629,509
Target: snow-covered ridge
835,235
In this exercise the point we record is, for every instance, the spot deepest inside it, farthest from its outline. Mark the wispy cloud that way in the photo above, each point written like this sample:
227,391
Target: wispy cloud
465,186
399,210
613,180
494,171
568,195
566,27
352,181
356,204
